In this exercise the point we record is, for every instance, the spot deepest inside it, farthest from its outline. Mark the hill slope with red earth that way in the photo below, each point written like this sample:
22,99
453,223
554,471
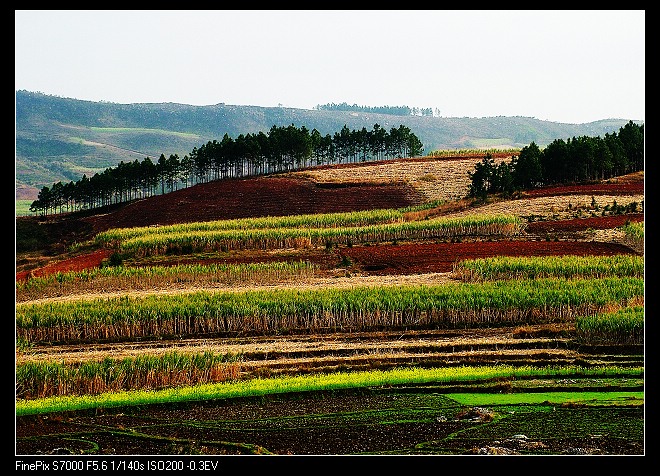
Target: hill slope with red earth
280,195
255,197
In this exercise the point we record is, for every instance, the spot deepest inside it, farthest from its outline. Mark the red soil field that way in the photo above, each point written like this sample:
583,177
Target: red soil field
254,197
633,187
266,196
412,258
278,196
113,431
602,189
581,224
441,257
78,263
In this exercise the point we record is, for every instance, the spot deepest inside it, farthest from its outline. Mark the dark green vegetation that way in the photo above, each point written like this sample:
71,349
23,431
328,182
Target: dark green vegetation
61,139
53,238
577,160
559,417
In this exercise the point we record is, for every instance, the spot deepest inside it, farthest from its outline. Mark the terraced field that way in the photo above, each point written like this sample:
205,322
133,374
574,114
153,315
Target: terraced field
410,419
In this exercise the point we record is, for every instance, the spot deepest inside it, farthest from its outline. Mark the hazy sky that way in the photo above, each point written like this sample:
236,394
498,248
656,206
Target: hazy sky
565,66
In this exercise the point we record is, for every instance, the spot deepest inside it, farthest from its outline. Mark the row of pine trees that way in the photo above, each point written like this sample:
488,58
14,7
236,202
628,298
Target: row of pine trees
392,110
282,149
577,160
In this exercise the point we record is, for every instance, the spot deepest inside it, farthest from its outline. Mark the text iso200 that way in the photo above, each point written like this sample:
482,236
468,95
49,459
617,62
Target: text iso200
167,465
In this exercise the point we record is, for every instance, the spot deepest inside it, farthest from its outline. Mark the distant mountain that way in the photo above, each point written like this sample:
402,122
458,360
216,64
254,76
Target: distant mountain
61,139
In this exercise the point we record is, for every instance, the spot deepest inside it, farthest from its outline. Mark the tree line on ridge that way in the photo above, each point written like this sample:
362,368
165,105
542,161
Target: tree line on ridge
577,160
282,149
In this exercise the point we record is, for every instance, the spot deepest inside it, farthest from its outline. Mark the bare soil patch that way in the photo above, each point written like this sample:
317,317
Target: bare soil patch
255,197
441,257
582,224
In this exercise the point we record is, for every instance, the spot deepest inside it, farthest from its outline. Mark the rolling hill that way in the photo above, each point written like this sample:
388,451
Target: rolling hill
61,139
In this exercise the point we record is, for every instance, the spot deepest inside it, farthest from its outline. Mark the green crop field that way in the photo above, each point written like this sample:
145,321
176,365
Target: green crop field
23,208
334,333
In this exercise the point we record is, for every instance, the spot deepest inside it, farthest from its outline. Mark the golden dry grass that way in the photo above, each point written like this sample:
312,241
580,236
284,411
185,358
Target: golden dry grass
304,350
435,179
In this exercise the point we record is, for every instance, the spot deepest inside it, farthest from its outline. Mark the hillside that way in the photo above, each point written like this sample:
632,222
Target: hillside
87,358
61,139
391,184
327,189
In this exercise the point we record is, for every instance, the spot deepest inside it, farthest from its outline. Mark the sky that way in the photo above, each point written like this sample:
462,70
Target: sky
567,66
